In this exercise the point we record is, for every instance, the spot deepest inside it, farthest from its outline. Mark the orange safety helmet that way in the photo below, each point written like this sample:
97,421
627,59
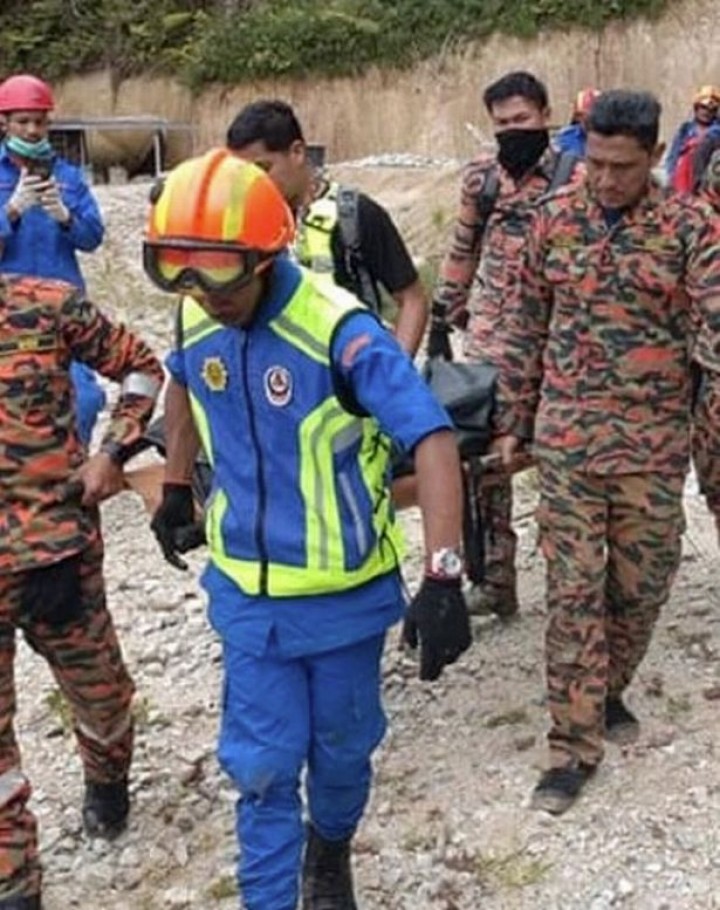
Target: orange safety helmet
214,222
25,93
707,94
584,100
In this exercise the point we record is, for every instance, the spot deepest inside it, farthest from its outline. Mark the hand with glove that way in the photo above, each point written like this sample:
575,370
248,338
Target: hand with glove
25,195
438,344
174,523
51,201
438,617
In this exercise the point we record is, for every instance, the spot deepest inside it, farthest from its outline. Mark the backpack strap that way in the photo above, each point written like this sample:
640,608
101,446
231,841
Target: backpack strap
565,165
486,200
349,224
564,169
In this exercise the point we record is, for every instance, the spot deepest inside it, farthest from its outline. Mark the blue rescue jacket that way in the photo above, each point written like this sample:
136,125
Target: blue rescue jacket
37,245
300,502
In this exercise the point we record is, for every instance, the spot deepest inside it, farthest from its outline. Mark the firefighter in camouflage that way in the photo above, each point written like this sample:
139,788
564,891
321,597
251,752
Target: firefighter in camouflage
616,273
480,274
51,550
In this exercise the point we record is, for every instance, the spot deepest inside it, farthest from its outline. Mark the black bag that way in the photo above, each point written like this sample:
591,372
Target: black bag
467,392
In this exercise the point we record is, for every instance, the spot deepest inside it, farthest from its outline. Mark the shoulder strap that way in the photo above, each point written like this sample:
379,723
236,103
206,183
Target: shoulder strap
565,165
486,200
348,209
564,168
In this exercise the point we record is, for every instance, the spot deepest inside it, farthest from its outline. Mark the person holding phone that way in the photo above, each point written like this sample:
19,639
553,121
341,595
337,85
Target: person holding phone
47,212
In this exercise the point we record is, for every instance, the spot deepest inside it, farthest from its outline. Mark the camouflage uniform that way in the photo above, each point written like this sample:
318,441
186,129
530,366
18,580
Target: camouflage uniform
600,372
481,270
706,415
43,324
706,440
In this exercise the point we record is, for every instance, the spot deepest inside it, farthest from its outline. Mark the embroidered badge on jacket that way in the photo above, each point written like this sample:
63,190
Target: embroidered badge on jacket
278,386
215,374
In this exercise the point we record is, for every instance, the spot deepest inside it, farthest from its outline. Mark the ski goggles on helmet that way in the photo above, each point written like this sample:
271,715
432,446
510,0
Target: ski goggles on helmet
178,266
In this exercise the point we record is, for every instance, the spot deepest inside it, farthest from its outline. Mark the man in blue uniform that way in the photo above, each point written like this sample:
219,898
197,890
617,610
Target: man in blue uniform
295,391
47,213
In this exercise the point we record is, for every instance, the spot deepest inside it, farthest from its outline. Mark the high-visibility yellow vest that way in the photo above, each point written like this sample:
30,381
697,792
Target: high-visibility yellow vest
300,502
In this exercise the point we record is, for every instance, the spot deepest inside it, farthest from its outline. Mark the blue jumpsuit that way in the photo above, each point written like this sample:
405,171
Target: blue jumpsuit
302,675
37,245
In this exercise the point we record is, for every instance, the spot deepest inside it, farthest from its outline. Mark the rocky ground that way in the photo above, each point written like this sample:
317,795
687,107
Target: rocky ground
449,826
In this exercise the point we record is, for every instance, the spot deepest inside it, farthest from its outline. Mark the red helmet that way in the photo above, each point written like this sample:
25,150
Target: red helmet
25,93
584,100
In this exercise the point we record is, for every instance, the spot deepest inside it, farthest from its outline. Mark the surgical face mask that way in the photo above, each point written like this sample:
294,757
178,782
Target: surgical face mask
24,149
519,150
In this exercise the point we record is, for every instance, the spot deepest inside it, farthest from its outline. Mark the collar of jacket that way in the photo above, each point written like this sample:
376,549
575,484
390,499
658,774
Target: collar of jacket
655,195
283,281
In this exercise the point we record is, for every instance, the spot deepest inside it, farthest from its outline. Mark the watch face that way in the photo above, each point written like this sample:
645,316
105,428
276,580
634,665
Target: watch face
446,563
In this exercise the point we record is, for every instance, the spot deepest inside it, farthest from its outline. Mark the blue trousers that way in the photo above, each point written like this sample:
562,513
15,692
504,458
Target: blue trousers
322,712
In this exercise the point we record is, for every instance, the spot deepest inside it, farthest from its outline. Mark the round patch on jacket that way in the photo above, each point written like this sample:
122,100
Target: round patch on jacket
215,374
278,386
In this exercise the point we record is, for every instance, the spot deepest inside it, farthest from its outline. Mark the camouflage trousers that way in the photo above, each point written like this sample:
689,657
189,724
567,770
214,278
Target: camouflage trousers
86,661
499,588
706,441
612,546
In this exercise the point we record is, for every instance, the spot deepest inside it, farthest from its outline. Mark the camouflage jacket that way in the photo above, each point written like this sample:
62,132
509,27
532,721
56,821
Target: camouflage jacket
43,324
598,355
481,268
707,348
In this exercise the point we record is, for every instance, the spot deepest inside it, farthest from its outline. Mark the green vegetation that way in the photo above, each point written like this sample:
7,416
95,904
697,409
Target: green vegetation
229,41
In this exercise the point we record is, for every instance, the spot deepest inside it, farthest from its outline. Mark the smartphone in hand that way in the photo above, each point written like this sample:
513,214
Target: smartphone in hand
40,167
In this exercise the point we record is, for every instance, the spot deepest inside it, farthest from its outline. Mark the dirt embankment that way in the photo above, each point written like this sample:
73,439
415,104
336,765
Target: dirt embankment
424,110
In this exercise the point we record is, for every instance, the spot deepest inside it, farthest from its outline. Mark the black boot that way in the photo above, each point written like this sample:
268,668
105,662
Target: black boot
105,809
21,903
327,876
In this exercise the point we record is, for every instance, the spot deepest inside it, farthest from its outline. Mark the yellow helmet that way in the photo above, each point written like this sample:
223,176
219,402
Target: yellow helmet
214,221
707,94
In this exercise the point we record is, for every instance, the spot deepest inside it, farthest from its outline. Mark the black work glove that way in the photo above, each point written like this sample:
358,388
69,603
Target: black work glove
174,523
438,616
438,344
53,594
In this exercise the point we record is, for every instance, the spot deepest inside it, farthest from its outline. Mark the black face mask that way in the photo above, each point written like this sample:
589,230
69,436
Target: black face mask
519,150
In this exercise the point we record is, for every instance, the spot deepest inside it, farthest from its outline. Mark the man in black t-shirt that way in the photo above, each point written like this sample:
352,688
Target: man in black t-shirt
342,234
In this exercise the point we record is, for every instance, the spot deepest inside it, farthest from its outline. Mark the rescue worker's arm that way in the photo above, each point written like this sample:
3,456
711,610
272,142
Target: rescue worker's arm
526,322
702,285
113,351
181,438
384,382
459,265
412,316
84,227
436,456
174,521
388,261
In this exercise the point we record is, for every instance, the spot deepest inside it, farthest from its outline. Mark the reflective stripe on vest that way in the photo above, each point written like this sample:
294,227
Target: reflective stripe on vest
338,505
196,325
312,246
